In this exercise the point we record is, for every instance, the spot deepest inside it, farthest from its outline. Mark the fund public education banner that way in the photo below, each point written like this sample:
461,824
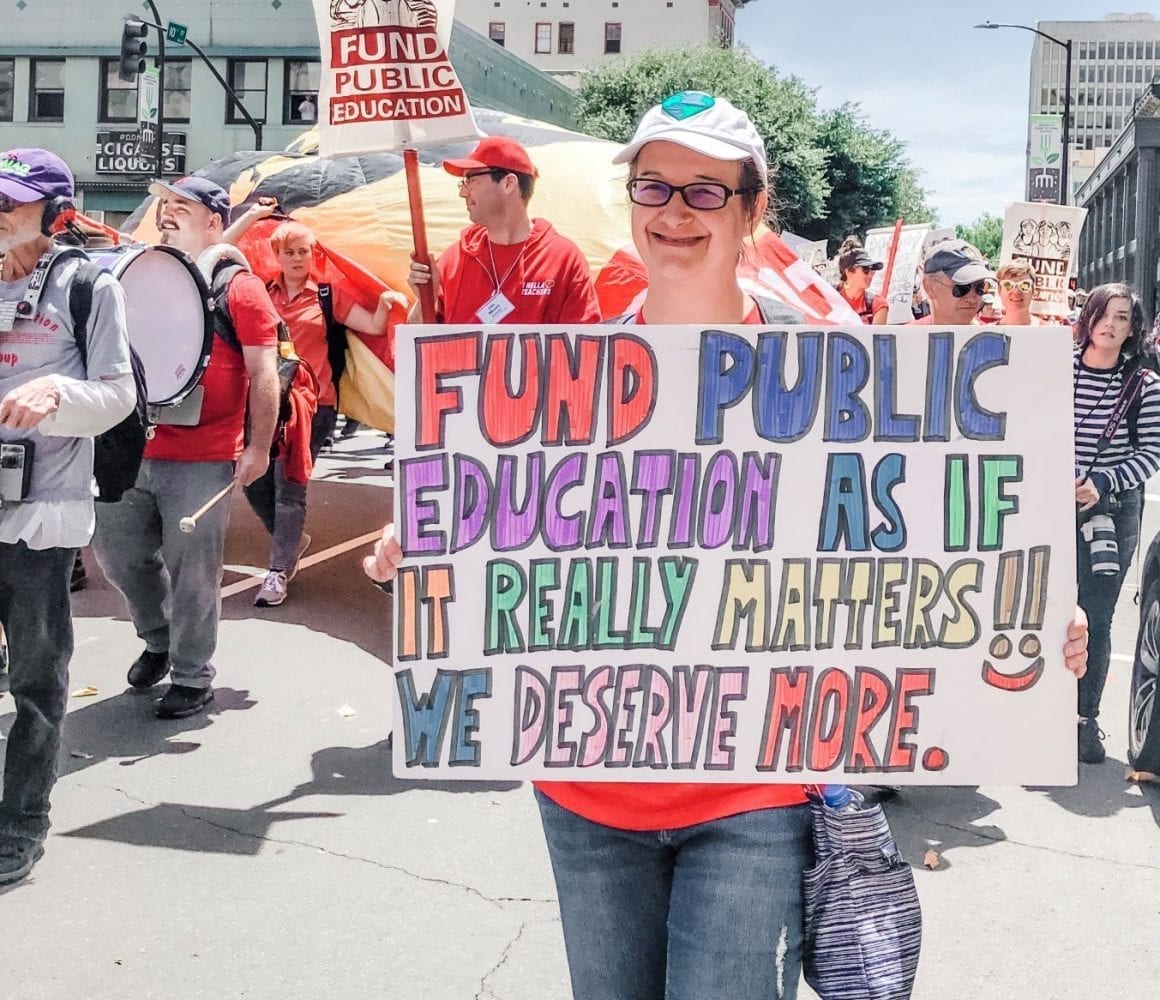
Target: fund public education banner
740,554
1045,236
387,79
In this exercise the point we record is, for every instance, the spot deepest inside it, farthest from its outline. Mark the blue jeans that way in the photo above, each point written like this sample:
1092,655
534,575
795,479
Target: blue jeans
37,619
1098,595
705,912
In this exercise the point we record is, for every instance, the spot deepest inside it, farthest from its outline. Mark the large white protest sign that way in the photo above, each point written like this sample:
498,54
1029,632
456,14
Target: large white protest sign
1045,236
689,554
387,80
906,261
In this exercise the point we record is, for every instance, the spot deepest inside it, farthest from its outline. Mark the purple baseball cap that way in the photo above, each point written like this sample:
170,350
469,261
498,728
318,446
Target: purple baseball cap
28,175
200,189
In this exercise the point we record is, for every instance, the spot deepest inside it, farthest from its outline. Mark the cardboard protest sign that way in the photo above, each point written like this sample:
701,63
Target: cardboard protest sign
742,554
901,292
387,80
1045,236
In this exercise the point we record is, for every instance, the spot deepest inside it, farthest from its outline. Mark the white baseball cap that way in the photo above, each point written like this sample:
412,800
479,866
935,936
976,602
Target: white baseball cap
702,123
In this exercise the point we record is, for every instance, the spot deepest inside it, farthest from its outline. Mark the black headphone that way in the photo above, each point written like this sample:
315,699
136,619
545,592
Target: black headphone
55,210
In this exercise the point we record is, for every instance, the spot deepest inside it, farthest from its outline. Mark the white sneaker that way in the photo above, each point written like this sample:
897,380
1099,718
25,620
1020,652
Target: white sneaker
273,590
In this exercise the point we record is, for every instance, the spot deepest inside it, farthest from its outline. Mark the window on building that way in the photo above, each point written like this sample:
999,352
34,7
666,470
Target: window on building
1083,50
178,90
1100,73
1148,51
303,77
46,90
543,37
247,77
1120,50
7,88
497,32
1120,73
611,37
1130,52
1083,74
1103,51
566,38
117,99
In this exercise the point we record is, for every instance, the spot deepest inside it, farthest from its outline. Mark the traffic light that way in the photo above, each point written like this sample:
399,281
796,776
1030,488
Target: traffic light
133,48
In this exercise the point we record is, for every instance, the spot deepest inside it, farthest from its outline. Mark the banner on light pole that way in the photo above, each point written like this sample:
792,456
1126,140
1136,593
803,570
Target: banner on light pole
1045,159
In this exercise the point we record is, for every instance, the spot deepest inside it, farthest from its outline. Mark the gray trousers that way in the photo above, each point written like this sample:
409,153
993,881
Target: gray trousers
171,581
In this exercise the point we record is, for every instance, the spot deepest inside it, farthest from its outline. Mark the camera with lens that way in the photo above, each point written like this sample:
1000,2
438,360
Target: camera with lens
15,470
1097,526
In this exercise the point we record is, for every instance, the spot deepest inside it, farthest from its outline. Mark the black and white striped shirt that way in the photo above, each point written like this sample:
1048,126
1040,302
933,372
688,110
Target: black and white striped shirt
1096,394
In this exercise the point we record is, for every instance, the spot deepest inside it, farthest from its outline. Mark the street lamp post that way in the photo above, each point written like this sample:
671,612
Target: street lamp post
1065,192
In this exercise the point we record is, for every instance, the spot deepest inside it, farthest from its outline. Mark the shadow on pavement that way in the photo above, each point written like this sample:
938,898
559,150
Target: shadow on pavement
942,819
1103,791
334,771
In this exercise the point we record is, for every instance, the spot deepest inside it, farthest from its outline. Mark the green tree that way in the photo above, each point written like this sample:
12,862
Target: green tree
613,97
871,182
834,175
985,233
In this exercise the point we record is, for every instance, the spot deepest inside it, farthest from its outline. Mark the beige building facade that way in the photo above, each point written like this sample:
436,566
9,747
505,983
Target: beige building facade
563,37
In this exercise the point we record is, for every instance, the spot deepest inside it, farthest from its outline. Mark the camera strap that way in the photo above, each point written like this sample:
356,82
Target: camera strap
1128,394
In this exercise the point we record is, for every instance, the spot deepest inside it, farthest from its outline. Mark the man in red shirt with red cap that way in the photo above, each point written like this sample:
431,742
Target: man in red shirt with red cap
506,267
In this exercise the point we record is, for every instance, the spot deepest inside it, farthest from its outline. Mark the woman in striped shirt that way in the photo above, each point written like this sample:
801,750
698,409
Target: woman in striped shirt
1110,479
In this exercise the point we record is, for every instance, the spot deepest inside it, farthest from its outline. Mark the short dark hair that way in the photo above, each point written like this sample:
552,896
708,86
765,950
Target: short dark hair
526,182
1097,305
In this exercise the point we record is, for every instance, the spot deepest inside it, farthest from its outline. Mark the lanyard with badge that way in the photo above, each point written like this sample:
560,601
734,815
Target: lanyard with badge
25,308
499,306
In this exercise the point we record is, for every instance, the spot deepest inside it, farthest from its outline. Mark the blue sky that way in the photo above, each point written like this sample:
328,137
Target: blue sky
956,96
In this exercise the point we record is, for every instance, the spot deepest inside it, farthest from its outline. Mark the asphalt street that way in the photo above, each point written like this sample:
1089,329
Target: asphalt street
266,851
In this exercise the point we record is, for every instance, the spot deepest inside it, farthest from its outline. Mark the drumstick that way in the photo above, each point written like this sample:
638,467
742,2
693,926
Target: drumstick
187,524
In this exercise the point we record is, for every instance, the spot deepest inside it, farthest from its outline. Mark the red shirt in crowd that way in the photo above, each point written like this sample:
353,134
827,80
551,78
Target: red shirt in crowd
654,805
303,317
218,435
859,305
546,278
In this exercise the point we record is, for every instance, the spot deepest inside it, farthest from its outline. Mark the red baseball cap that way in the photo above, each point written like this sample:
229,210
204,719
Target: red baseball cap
496,152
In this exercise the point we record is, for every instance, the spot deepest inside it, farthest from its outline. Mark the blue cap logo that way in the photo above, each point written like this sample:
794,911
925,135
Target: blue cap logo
686,104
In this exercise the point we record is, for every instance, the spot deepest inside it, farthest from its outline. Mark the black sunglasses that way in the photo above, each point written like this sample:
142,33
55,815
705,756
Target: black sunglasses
705,196
960,291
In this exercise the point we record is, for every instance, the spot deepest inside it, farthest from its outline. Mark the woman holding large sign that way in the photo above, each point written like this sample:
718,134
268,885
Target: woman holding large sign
676,891
1117,450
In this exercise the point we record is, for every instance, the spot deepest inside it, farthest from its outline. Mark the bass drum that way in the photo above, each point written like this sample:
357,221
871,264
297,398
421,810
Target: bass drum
170,326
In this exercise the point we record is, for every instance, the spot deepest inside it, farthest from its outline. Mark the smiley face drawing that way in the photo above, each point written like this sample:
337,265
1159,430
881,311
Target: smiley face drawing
1001,649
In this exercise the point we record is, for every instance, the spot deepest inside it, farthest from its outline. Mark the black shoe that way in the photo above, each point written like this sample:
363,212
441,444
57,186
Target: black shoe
1091,742
148,669
180,701
17,860
79,578
349,429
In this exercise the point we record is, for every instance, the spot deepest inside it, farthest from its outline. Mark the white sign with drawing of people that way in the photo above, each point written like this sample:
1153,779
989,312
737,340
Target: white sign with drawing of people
1045,237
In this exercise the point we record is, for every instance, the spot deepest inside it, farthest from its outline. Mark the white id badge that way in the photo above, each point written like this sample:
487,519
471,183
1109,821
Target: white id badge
495,309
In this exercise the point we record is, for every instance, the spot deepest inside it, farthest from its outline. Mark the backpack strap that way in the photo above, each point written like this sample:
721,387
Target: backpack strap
80,304
224,272
335,332
774,313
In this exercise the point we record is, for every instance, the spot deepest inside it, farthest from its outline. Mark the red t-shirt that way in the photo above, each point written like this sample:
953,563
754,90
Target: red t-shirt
303,317
218,435
654,805
546,278
859,305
